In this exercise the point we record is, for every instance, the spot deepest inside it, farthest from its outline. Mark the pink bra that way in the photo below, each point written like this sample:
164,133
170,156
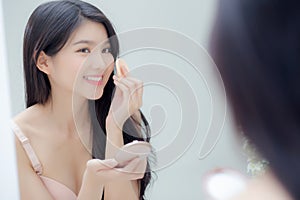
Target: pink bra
58,190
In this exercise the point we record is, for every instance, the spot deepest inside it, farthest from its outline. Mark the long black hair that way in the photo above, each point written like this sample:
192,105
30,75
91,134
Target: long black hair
256,46
48,29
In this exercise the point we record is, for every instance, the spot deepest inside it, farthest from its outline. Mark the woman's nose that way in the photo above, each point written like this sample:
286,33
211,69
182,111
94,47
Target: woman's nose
97,61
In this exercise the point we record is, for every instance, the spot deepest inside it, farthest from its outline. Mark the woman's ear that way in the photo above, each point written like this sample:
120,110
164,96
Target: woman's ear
42,63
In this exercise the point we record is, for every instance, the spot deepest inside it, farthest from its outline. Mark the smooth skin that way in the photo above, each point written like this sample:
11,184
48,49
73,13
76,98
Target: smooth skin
54,135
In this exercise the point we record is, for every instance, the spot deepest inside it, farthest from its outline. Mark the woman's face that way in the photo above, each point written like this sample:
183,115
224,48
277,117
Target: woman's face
83,66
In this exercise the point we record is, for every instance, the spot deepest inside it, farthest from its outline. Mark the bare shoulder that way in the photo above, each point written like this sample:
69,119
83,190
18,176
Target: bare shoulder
29,120
26,121
26,174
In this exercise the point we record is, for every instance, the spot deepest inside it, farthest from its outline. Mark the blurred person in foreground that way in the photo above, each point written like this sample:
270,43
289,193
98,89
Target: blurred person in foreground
256,46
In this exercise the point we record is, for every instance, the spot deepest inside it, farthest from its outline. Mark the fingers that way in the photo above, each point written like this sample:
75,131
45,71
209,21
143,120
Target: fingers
129,168
134,170
138,85
122,68
141,166
97,164
136,166
135,86
132,87
121,86
126,82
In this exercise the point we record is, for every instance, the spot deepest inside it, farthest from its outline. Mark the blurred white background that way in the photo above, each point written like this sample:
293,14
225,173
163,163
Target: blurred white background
8,183
194,19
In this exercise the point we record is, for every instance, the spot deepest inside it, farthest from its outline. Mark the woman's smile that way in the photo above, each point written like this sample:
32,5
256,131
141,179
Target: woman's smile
94,79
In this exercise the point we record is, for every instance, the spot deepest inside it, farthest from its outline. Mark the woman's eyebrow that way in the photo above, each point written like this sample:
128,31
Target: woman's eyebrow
84,42
89,42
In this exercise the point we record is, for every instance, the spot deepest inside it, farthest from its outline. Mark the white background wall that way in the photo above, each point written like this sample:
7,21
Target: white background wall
8,181
182,179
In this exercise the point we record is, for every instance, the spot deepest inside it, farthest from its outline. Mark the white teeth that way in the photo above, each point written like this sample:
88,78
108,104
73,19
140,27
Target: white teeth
92,78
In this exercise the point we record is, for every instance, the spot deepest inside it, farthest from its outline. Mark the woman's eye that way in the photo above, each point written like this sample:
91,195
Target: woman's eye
84,50
106,50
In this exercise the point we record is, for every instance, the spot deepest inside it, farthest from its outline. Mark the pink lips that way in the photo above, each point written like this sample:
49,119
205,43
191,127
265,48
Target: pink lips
94,79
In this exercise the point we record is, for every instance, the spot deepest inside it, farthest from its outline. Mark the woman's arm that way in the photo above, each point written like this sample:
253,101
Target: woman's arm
123,189
126,102
90,188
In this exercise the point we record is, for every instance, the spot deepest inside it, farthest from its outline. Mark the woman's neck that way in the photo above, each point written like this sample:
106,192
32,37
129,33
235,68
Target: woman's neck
68,113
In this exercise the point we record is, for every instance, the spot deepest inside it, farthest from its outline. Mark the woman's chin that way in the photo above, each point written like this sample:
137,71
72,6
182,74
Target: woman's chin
96,95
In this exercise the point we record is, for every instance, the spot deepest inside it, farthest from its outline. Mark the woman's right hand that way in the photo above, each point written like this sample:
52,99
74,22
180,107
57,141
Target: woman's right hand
100,172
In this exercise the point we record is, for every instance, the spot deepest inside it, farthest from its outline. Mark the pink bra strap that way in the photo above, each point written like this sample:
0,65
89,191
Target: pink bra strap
28,149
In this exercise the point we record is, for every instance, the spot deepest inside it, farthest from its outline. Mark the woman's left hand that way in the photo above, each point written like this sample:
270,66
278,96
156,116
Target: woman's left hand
128,96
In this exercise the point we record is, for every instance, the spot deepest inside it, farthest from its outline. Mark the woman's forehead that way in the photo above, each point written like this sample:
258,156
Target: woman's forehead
89,32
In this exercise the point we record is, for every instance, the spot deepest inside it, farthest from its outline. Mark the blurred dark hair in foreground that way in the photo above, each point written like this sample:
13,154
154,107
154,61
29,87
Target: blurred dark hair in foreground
256,46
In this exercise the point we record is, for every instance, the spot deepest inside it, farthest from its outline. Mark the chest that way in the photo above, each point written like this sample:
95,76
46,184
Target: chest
64,160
